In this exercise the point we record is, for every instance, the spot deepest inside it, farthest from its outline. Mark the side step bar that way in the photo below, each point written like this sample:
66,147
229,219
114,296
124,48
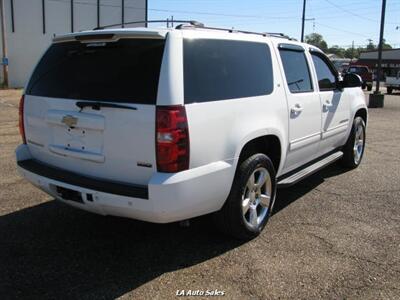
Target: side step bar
303,173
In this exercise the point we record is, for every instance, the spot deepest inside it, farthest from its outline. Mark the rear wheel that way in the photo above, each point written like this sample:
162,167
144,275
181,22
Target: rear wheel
249,204
363,86
389,90
369,87
353,151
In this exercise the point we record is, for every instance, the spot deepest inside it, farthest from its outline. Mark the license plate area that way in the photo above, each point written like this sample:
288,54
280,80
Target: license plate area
76,132
79,140
69,195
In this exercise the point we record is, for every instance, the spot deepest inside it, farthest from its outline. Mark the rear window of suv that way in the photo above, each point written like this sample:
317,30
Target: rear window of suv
225,69
123,71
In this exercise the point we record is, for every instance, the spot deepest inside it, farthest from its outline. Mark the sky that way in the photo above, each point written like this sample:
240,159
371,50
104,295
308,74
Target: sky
339,21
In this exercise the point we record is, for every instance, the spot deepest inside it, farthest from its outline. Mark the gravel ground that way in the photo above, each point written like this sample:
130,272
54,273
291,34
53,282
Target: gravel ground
335,235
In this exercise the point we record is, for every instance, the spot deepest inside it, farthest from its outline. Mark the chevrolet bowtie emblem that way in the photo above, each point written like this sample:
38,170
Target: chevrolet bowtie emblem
69,120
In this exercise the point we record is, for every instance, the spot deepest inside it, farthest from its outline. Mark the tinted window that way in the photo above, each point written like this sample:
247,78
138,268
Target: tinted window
225,69
296,71
123,71
326,77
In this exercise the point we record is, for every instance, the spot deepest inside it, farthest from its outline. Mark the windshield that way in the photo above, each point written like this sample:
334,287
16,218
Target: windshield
123,71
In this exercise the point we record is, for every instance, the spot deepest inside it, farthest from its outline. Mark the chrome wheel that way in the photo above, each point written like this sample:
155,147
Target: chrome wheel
359,141
257,197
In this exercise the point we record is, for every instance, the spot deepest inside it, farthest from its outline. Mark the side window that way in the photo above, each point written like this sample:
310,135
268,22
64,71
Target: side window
296,70
225,69
326,76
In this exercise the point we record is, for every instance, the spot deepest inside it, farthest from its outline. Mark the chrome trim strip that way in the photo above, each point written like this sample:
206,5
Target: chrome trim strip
304,141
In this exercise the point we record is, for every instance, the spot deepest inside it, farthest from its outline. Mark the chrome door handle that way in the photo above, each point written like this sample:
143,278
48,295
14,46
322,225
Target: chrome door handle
328,104
296,109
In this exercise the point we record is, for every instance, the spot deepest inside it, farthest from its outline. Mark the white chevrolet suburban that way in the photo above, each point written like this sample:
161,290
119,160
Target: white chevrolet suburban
164,125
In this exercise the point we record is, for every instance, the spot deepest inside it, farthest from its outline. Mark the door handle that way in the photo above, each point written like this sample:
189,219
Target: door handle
296,109
328,103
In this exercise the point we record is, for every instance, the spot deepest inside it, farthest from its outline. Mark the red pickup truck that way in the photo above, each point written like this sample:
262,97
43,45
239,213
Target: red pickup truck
365,74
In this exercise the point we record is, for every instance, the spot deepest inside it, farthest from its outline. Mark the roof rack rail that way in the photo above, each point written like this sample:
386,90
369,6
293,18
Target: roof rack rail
282,35
190,22
182,26
195,24
271,34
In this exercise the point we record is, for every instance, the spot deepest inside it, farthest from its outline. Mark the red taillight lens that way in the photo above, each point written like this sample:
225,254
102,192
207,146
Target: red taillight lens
172,139
21,119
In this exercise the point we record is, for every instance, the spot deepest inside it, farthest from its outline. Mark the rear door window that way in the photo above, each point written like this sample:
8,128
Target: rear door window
296,70
225,69
123,71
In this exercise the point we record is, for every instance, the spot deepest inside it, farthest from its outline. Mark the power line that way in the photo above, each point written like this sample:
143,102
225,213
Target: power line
185,11
221,15
352,13
343,30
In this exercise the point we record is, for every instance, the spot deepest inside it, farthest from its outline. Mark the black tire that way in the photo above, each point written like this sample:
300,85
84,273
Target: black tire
369,87
389,90
230,219
349,157
363,86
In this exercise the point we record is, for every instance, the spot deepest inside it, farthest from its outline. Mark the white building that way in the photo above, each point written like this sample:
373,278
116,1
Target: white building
31,25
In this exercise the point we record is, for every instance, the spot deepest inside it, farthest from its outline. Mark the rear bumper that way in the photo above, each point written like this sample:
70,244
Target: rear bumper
117,188
167,197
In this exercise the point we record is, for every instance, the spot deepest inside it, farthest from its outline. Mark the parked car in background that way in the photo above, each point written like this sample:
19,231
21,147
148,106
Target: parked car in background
341,64
364,73
164,125
393,82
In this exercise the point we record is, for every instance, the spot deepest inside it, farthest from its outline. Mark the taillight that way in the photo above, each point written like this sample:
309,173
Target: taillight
21,119
172,139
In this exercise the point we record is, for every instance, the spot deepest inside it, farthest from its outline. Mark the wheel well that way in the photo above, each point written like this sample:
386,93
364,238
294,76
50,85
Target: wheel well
362,113
267,144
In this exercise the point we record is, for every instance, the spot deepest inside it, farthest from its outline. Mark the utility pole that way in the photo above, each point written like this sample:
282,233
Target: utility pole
303,20
377,99
4,44
122,13
352,50
378,75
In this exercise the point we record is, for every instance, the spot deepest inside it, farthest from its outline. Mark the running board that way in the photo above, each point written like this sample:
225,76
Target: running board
303,173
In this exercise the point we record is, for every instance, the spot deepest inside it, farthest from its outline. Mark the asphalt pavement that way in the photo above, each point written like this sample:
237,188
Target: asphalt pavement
334,235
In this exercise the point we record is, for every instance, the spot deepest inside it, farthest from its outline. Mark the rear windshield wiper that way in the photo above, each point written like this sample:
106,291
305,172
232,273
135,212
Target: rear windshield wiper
98,105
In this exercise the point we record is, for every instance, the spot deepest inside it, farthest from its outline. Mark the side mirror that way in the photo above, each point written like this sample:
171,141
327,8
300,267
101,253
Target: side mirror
351,80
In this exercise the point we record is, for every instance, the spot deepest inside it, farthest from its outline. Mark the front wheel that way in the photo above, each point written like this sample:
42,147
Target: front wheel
369,87
353,150
250,202
389,90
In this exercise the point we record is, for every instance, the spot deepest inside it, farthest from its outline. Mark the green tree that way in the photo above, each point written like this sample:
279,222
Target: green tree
350,53
386,46
371,45
338,51
317,40
353,52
